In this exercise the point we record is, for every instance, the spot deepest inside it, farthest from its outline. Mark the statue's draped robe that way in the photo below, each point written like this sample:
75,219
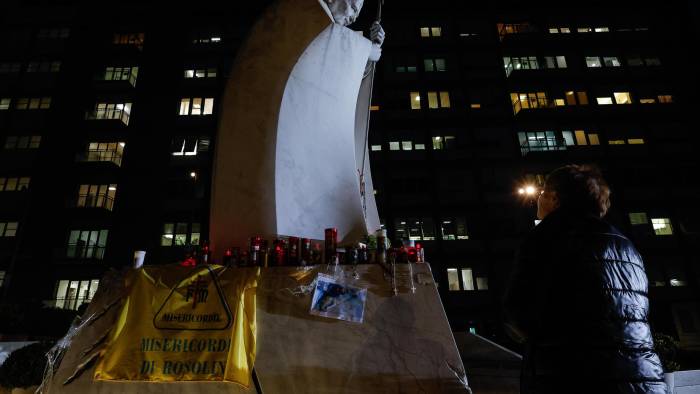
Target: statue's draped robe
291,143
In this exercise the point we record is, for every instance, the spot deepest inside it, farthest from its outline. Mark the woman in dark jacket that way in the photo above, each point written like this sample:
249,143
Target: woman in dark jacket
578,296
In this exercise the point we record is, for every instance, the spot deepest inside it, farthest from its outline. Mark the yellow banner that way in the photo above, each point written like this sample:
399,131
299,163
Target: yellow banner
180,323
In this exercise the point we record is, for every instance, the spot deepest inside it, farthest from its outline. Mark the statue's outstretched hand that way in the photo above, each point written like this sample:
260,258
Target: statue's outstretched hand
376,33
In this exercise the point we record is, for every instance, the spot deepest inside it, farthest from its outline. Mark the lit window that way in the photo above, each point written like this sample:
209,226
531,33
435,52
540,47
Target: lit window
5,103
415,100
584,30
189,146
119,111
564,30
71,294
8,229
406,145
415,229
196,106
635,141
168,234
419,146
444,100
97,196
638,218
33,103
445,142
582,98
622,98
121,74
394,145
180,234
482,283
376,148
647,101
580,137
453,279
467,279
561,61
374,108
602,30
104,151
616,142
454,229
604,100
540,141
611,61
521,63
662,226
665,99
568,138
432,100
553,31
593,139
87,244
200,73
430,31
434,65
593,62
505,29
208,106
129,39
185,106
677,282
522,101
475,106
193,106
14,184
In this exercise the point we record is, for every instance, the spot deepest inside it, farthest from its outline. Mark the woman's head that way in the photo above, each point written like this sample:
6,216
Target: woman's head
576,188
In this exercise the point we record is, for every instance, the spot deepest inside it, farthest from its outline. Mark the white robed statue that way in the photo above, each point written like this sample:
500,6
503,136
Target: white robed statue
291,151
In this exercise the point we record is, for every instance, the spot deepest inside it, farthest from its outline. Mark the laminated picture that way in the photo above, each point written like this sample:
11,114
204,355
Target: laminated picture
338,300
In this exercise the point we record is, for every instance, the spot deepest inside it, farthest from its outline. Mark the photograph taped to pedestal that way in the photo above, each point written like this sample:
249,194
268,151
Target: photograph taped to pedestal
337,300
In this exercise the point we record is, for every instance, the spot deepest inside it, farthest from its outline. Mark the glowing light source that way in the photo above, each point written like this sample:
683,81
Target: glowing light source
193,174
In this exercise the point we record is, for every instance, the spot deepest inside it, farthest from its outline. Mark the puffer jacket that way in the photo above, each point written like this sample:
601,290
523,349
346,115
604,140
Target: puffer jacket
578,302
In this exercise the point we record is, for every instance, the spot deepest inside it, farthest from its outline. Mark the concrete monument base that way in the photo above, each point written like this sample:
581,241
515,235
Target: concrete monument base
404,344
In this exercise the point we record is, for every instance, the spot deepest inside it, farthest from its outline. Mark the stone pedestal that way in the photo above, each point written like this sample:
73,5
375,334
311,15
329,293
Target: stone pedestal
404,344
